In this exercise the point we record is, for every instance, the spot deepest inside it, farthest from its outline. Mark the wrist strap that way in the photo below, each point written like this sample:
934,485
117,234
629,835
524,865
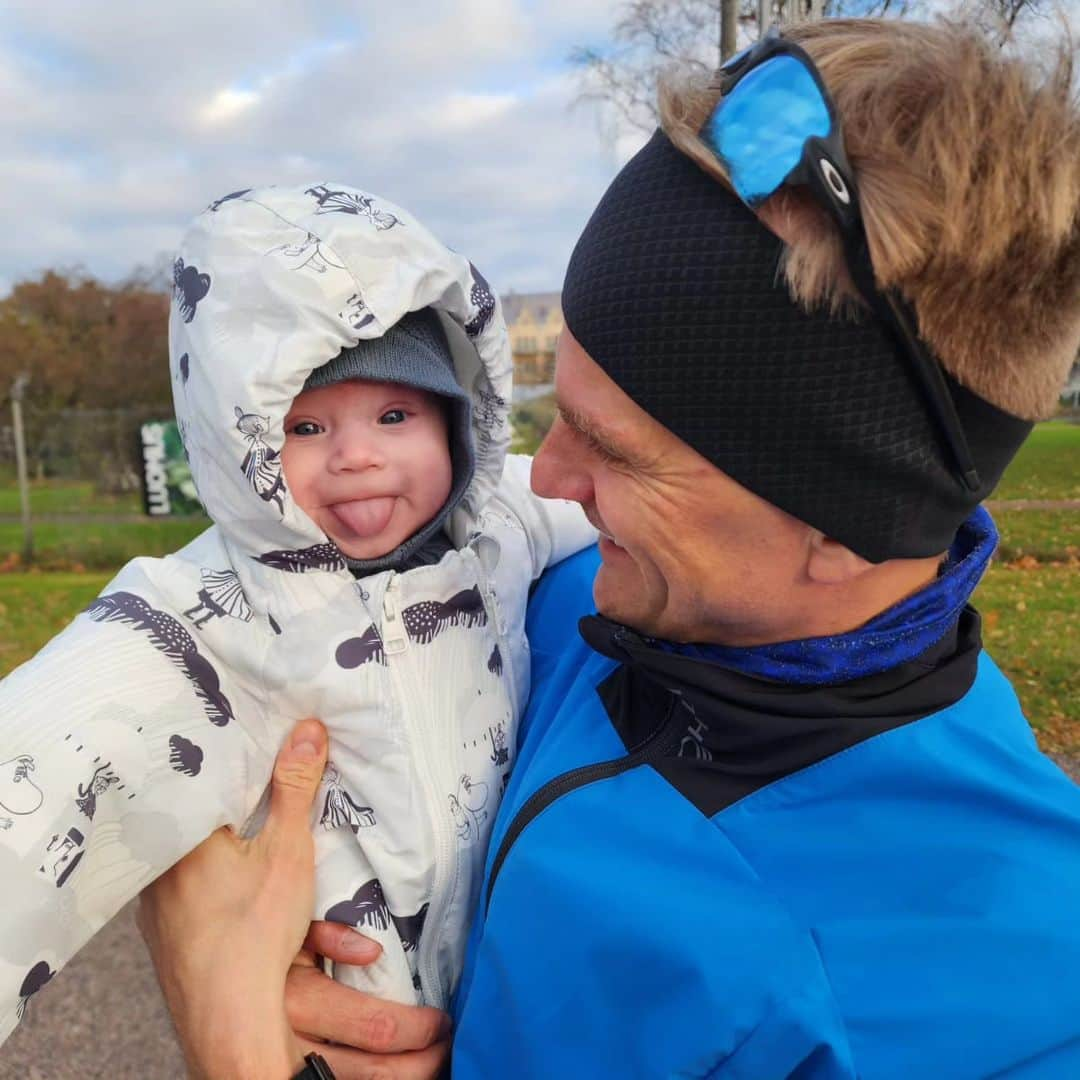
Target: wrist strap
315,1068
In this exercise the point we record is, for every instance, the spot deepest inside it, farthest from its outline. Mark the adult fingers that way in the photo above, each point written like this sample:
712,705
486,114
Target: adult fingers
351,1064
320,1007
341,944
297,771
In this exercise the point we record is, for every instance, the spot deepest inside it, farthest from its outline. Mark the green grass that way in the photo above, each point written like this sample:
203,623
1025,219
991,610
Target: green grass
35,607
1047,466
97,545
1046,535
69,497
1031,627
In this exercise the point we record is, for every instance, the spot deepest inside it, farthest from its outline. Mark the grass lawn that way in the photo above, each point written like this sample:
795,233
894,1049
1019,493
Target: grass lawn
68,497
96,545
1031,627
1048,465
36,607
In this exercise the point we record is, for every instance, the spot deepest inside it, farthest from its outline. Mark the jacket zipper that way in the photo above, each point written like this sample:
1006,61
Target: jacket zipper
396,642
652,749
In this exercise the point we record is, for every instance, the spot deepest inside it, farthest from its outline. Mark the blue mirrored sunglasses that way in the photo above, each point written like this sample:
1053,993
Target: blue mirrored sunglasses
775,125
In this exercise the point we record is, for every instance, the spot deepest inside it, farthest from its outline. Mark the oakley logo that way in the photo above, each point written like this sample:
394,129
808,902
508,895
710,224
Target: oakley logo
835,181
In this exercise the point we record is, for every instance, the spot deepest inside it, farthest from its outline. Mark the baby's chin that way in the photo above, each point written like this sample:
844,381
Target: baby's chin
375,548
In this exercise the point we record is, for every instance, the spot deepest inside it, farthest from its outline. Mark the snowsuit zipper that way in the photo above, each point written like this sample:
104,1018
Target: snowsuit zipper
396,643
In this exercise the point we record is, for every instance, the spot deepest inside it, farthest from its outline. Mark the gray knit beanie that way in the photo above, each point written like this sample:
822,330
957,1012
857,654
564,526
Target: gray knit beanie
413,352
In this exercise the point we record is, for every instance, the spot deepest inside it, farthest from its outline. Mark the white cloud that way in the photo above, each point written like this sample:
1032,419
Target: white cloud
130,120
227,105
465,111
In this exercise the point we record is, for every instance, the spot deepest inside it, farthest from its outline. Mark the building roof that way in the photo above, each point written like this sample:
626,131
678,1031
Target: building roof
539,304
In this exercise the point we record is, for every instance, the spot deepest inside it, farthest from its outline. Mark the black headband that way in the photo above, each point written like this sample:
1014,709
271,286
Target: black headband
674,290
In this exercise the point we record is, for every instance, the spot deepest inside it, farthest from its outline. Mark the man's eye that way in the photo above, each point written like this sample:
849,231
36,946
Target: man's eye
304,427
393,416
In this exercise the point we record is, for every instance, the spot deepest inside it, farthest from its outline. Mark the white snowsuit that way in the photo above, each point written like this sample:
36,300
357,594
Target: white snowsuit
155,717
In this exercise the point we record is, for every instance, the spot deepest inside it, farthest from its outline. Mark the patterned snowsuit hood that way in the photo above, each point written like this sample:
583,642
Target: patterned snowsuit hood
271,283
155,716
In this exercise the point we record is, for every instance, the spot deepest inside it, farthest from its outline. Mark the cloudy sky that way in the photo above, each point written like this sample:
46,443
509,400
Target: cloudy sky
120,120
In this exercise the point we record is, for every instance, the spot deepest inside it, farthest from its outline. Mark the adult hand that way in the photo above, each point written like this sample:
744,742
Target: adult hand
367,1037
224,928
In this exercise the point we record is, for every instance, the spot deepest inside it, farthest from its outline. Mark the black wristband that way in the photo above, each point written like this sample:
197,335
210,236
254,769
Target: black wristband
315,1068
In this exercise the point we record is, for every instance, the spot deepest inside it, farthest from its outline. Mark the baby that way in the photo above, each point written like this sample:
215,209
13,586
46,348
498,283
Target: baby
341,383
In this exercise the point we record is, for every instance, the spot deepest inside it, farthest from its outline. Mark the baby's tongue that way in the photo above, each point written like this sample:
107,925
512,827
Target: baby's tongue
365,517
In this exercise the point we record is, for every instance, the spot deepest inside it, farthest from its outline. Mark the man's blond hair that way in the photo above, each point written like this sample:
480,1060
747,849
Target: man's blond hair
968,166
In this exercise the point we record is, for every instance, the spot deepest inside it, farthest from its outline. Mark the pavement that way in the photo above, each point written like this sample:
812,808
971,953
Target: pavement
101,1016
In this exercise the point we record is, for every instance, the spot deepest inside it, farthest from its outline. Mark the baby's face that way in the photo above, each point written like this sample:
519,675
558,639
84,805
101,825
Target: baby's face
369,462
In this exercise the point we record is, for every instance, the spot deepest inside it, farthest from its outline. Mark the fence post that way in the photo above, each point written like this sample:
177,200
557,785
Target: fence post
17,389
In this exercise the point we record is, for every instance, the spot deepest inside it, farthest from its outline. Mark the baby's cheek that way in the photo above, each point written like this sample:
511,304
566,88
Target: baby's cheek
297,472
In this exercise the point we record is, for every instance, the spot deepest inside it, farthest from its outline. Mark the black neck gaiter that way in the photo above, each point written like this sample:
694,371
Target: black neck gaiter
674,290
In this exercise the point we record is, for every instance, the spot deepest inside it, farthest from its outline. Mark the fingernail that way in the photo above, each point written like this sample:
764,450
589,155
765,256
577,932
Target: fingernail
360,949
446,1025
306,741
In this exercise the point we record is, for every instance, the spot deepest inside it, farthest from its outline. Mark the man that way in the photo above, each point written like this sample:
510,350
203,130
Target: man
776,814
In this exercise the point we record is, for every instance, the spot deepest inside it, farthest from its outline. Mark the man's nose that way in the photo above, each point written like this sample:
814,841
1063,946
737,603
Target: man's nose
557,471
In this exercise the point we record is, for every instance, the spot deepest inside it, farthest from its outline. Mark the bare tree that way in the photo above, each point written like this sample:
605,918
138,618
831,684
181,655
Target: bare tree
651,35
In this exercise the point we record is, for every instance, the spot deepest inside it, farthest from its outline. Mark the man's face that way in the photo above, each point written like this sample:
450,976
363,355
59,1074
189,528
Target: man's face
688,554
368,462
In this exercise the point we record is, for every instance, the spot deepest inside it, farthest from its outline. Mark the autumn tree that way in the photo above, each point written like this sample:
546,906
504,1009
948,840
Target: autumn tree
85,343
86,346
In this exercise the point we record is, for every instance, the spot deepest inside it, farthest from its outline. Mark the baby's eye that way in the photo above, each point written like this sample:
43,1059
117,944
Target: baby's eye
304,427
393,416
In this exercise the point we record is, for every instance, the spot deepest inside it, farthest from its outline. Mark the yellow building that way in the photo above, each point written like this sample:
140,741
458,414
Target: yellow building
533,321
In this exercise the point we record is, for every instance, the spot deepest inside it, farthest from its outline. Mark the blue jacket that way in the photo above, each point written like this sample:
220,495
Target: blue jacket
699,874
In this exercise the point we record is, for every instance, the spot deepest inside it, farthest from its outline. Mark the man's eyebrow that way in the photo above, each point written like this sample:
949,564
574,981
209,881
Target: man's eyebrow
595,435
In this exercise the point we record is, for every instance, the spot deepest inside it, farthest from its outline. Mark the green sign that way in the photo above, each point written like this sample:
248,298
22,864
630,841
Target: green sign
167,484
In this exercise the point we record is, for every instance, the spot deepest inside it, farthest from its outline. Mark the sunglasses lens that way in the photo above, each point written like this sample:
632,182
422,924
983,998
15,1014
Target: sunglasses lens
759,129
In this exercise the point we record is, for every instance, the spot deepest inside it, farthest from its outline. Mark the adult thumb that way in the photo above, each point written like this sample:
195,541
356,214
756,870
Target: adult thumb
297,772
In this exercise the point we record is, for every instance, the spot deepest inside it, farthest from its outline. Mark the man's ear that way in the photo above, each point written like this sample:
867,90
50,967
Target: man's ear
830,563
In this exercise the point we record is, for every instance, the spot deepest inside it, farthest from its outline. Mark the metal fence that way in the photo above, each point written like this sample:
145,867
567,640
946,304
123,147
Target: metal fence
101,445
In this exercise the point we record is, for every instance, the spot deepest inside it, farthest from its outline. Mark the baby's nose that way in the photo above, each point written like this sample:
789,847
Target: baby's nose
353,452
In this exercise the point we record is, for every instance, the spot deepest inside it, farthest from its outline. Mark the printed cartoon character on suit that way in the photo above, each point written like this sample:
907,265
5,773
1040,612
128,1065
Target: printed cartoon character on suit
500,754
261,464
63,855
307,254
19,795
98,784
352,202
469,808
221,596
339,807
355,312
